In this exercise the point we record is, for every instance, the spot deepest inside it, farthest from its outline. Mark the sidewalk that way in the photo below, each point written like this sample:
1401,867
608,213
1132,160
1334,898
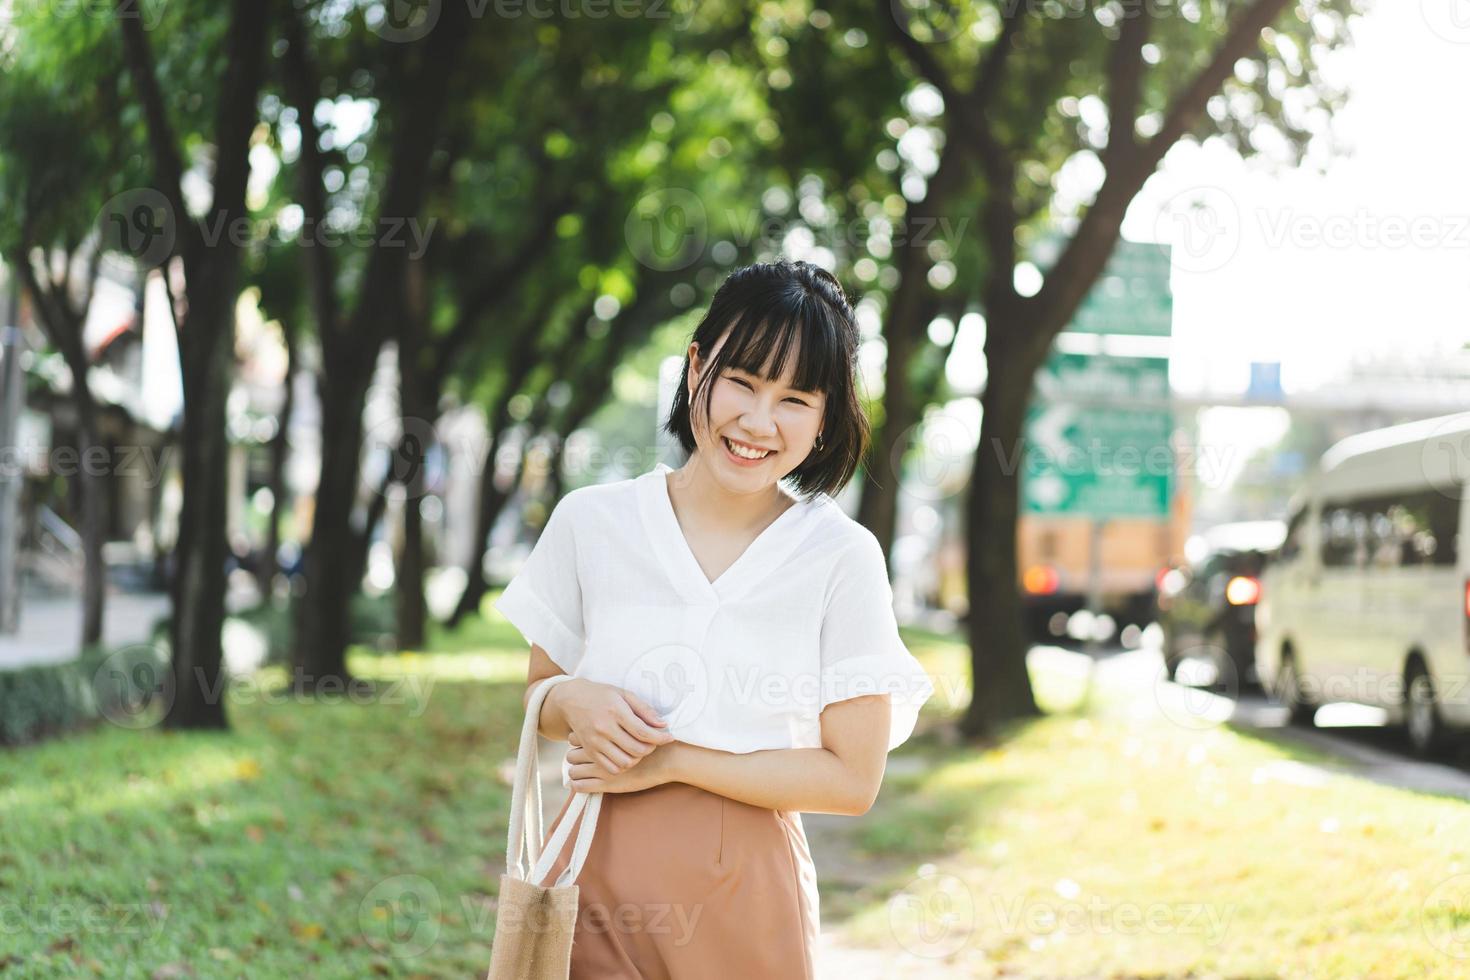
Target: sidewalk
51,628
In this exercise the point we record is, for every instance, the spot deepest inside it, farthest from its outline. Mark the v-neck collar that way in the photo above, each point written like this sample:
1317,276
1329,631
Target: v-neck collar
760,557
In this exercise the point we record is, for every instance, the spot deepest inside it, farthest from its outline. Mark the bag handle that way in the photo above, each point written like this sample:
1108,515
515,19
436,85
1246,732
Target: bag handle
523,841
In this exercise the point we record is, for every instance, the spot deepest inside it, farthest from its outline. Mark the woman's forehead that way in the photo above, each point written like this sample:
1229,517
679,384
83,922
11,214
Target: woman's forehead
760,336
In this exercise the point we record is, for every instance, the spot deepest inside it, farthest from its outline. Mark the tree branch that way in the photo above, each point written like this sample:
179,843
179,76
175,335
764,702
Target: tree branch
496,286
167,161
236,116
303,89
1125,83
1244,35
1087,253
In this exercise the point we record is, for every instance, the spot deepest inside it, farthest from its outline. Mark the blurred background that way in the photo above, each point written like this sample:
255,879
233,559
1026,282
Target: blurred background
313,309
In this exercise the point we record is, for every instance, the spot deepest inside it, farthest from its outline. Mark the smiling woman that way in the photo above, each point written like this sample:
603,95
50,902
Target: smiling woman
772,366
734,654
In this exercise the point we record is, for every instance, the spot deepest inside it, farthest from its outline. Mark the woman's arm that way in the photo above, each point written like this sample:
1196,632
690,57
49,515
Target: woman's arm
617,727
841,777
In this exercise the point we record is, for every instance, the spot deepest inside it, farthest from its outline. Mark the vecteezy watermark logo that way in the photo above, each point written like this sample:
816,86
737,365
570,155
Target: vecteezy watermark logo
140,224
667,229
43,920
407,442
933,915
403,21
150,12
1444,457
1203,226
134,687
1445,916
402,911
943,445
927,21
1448,19
674,679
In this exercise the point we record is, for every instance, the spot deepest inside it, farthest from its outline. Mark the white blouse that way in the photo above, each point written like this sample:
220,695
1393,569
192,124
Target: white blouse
803,618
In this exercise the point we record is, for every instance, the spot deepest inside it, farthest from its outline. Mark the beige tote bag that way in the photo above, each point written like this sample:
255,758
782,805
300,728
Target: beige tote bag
534,924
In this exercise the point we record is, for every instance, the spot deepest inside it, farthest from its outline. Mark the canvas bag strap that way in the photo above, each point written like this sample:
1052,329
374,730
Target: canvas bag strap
523,841
588,805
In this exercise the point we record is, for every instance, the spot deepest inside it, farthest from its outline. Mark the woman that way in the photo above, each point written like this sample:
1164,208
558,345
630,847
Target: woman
735,654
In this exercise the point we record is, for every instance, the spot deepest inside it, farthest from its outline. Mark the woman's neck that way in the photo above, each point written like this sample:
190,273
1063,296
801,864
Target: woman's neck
694,489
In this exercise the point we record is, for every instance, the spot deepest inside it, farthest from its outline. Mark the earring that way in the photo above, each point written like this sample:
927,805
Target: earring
818,444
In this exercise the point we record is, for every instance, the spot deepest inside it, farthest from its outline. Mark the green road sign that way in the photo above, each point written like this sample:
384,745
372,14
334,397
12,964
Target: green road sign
1130,297
1082,458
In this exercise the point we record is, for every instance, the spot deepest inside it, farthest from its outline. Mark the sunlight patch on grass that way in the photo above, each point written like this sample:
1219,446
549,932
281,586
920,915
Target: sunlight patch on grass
1094,845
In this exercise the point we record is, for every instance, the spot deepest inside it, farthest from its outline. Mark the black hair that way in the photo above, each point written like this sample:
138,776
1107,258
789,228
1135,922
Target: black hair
766,307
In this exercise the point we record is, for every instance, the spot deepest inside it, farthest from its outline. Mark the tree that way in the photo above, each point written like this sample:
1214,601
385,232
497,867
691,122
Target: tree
1012,80
208,250
353,321
63,154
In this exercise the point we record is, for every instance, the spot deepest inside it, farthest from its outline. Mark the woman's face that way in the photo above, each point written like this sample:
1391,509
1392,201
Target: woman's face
758,415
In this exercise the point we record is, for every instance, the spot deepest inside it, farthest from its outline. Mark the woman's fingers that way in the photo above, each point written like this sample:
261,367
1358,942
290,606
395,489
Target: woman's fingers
636,727
610,764
646,713
629,747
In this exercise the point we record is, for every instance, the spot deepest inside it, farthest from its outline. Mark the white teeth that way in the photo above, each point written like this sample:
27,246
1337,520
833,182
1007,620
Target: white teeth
744,453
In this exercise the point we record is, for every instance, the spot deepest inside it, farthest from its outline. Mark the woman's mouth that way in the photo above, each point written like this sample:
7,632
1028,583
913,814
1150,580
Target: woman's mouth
743,455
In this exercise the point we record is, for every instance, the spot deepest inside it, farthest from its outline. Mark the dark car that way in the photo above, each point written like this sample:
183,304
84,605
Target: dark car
1207,608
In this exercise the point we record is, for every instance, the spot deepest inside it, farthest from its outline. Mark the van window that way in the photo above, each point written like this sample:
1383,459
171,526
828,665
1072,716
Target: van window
1401,530
1291,545
1344,534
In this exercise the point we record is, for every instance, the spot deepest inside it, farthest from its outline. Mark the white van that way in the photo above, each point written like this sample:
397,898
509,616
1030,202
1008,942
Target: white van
1368,598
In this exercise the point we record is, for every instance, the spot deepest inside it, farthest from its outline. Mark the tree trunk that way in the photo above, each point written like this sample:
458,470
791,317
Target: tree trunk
94,523
492,499
199,572
280,446
913,305
419,404
998,640
409,576
322,620
362,539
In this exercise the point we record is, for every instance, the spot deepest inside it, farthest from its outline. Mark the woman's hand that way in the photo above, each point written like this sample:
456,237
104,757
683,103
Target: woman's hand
616,728
587,776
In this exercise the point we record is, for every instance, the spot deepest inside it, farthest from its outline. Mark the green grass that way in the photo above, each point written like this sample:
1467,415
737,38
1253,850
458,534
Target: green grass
366,839
1116,843
326,840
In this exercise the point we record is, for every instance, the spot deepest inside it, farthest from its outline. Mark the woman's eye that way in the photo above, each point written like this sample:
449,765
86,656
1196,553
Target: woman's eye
741,383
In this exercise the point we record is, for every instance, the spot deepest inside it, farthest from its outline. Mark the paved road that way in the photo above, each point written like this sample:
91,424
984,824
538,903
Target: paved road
1362,746
51,628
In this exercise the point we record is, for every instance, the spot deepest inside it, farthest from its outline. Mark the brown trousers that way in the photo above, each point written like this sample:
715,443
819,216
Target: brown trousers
684,884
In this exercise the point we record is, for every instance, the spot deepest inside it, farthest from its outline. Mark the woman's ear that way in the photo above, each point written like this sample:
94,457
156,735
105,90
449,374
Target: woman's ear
696,365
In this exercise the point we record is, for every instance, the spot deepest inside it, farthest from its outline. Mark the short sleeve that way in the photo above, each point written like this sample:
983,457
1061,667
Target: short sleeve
861,651
544,598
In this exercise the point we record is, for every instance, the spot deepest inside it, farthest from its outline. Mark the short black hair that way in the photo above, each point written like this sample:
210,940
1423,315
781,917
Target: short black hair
766,307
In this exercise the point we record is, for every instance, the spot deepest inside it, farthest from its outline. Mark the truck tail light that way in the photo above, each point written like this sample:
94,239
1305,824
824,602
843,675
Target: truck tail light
1040,580
1243,590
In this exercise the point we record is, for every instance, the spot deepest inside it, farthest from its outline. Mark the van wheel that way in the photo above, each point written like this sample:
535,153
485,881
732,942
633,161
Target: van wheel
1422,720
1301,710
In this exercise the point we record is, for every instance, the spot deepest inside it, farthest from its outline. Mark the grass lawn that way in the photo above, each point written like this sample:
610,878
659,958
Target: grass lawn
315,840
1116,843
366,839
